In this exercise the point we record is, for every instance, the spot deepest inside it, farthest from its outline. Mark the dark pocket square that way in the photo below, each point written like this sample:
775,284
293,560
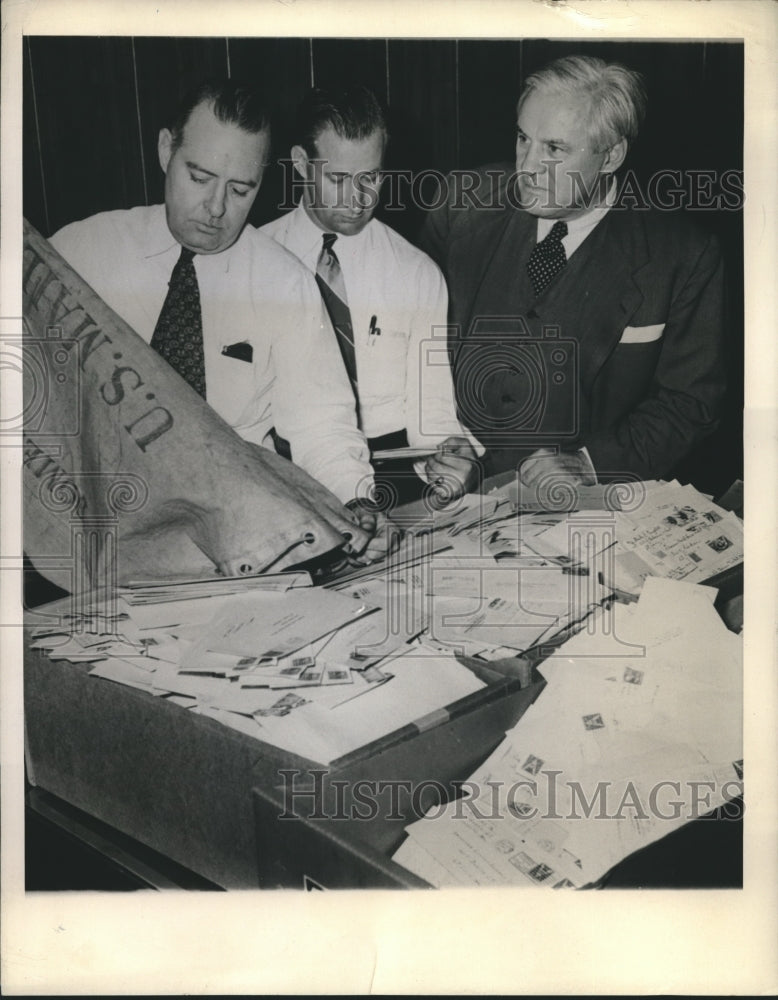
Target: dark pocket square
241,352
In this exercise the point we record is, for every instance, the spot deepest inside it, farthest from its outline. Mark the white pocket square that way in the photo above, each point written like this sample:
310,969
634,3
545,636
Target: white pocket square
642,334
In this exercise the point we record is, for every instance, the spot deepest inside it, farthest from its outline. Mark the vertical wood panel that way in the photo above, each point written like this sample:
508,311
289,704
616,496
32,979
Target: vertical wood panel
280,67
34,194
423,120
340,61
166,69
422,93
88,126
489,80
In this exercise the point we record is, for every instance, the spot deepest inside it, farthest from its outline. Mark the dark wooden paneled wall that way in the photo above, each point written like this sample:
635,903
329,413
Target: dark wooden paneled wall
93,108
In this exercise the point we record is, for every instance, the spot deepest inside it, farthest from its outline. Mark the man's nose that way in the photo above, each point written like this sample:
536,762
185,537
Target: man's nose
216,202
530,159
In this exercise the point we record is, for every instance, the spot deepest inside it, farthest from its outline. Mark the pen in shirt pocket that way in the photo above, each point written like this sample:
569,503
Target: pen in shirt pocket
373,331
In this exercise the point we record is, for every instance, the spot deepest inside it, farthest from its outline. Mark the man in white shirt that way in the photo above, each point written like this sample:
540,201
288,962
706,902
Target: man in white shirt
395,297
260,349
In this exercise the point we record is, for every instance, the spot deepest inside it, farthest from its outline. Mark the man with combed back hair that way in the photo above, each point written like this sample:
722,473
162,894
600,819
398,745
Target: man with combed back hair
387,300
232,312
589,334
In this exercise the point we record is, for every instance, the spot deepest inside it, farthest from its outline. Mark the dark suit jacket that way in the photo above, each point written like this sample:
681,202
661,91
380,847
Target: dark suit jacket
636,314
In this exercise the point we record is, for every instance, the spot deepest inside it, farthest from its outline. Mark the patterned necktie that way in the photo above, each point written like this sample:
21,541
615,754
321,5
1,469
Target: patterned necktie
178,335
329,278
548,258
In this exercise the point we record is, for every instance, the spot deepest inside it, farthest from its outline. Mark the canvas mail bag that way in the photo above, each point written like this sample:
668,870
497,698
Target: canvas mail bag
128,473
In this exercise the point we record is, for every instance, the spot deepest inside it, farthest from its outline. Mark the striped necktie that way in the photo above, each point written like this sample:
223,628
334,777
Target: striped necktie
329,278
548,258
178,335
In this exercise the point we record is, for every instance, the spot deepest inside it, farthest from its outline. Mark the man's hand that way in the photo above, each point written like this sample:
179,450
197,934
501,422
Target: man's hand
453,468
384,534
569,466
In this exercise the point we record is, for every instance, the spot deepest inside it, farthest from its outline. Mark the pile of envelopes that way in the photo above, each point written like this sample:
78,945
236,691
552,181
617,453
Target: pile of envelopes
323,670
637,732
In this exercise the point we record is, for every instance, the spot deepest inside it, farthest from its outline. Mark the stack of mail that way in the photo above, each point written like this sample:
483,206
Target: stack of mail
637,732
290,667
482,591
664,530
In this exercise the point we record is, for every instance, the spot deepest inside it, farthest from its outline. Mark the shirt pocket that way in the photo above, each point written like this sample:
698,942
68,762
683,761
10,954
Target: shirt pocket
231,389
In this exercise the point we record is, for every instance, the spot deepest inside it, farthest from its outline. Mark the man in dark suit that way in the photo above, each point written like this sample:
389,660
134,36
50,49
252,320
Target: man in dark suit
586,334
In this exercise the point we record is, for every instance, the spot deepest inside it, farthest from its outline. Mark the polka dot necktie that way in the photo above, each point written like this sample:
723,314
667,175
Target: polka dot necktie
178,335
548,258
329,278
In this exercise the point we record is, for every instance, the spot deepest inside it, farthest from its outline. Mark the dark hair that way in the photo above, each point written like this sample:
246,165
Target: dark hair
354,112
233,103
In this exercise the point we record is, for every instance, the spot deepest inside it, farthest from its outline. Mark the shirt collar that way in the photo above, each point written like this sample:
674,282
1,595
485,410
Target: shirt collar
161,241
305,237
584,222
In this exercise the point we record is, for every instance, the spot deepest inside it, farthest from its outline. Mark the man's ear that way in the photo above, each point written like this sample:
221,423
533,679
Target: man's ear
300,161
615,156
165,148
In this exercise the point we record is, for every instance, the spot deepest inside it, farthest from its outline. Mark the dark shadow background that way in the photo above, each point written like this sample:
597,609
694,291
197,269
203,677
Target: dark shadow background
93,107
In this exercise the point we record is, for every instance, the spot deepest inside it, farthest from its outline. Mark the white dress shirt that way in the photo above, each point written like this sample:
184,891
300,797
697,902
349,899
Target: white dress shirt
579,227
251,293
403,373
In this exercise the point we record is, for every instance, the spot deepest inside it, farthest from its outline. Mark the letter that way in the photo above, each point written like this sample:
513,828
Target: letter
83,333
578,793
298,185
471,800
632,799
153,432
31,451
584,196
494,188
551,812
416,799
368,801
388,184
654,193
734,807
735,189
34,297
512,189
340,811
531,811
53,318
314,794
442,190
33,263
394,805
701,196
460,189
116,382
676,803
630,195
33,290
366,186
695,786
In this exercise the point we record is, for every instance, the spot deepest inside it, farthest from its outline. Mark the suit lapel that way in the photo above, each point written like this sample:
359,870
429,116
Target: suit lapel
594,298
488,268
